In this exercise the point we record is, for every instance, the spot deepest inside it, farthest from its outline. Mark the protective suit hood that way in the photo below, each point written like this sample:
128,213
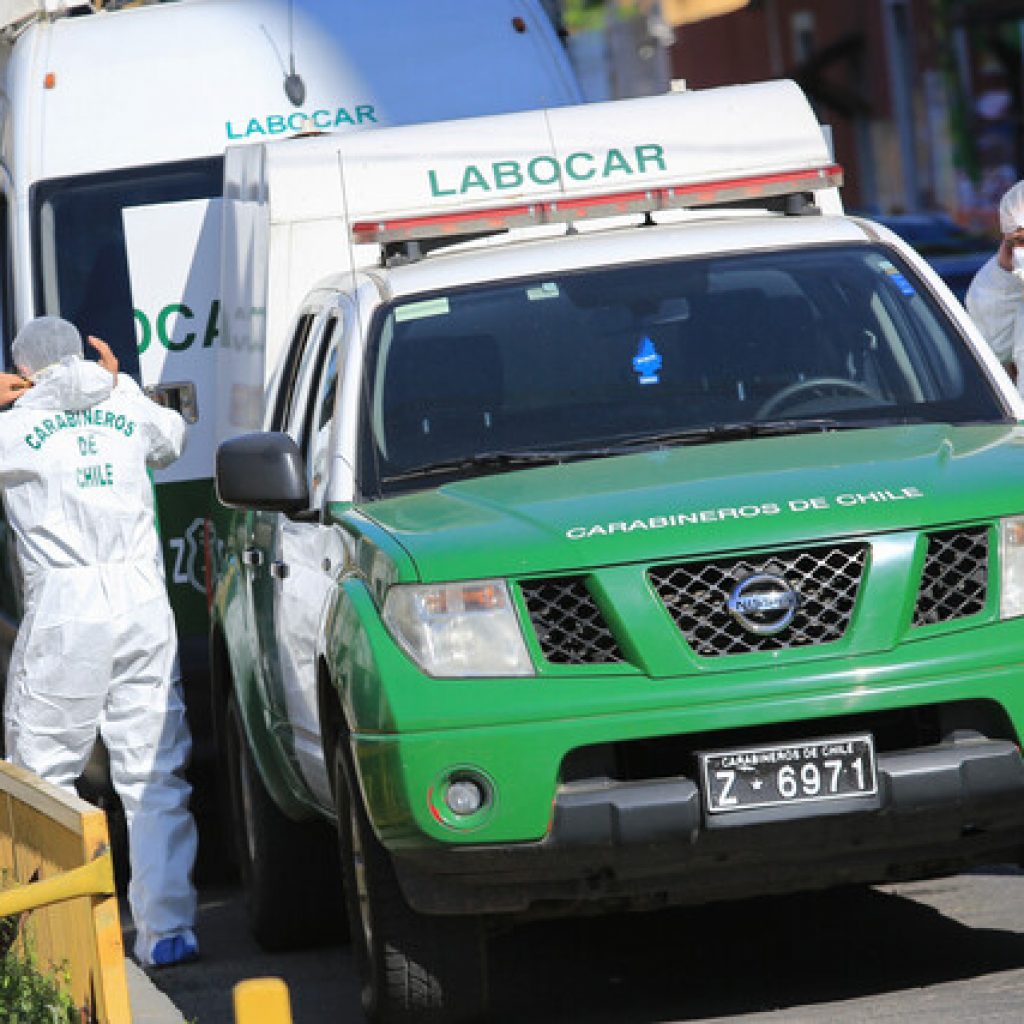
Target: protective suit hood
71,384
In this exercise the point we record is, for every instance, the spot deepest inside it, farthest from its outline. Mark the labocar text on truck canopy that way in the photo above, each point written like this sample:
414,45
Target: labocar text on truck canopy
628,527
114,128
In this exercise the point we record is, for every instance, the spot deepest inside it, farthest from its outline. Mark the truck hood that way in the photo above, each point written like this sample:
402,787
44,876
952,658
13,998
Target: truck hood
685,501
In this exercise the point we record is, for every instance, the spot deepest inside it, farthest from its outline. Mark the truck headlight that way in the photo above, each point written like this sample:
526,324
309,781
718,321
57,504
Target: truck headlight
458,629
1011,567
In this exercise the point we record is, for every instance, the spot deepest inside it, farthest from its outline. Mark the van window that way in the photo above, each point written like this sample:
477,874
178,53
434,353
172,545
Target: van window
622,356
80,263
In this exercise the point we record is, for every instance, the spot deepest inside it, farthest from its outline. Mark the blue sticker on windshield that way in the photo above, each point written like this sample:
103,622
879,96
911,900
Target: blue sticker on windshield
898,279
646,362
903,284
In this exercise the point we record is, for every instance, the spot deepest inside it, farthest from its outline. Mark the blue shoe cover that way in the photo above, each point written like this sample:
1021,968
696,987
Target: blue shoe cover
176,949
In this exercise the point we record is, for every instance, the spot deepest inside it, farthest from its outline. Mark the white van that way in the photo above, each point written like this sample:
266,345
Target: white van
114,128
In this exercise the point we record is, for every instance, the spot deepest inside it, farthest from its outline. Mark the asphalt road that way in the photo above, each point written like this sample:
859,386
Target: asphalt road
948,950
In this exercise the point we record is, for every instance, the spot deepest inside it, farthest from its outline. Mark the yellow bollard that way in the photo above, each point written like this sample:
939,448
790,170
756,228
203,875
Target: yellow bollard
262,1001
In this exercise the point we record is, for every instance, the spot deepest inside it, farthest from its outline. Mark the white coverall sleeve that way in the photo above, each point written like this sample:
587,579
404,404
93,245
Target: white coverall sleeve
995,300
164,428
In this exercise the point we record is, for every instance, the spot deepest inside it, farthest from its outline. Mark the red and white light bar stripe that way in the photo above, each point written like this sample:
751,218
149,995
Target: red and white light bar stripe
564,210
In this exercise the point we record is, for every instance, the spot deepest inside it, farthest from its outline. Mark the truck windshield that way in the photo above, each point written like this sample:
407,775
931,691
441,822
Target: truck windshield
80,261
677,352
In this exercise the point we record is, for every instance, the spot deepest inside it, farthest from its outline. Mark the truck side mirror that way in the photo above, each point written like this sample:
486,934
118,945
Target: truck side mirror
263,471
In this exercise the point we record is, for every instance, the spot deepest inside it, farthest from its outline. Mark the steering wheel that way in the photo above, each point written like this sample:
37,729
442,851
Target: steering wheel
821,384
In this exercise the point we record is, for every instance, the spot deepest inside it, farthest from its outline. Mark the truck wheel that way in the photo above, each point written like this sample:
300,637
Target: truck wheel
289,869
413,967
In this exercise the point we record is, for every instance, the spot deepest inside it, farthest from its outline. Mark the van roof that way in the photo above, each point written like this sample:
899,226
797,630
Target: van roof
183,80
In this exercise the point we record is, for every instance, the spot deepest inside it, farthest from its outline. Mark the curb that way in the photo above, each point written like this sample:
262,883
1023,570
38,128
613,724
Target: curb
149,1005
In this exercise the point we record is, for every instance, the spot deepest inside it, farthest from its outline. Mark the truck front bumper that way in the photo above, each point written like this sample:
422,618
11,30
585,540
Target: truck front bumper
938,810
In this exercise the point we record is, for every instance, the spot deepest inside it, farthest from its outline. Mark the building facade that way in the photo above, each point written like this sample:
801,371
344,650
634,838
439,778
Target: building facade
922,96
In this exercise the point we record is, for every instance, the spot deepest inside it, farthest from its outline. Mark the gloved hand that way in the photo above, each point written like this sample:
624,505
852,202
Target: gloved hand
107,359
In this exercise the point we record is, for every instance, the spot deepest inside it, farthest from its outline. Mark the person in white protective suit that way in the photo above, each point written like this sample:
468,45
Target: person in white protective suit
995,298
97,651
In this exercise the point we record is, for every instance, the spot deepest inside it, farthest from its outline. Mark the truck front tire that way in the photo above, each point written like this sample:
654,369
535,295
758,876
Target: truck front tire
413,967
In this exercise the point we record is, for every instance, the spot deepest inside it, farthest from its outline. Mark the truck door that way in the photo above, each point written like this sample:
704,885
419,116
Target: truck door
299,555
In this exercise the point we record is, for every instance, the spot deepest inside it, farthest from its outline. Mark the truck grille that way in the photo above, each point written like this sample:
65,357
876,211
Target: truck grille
569,626
825,580
954,582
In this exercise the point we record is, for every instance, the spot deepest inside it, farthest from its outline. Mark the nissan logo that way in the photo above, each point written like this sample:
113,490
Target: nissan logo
763,604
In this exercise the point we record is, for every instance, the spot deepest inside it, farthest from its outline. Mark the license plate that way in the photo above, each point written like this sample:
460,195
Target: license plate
805,771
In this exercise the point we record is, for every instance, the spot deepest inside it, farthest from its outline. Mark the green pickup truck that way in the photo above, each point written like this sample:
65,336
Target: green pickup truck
674,557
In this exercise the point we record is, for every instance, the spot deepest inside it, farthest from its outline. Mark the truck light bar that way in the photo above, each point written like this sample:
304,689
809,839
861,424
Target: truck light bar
565,210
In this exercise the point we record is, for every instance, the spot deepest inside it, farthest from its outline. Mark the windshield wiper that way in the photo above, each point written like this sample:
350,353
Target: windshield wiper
484,460
736,432
499,460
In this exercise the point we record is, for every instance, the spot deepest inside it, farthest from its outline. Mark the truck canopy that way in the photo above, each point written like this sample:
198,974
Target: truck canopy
298,211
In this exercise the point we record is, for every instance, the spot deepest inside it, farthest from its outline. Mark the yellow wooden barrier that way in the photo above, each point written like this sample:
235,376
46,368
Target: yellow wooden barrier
262,1001
72,918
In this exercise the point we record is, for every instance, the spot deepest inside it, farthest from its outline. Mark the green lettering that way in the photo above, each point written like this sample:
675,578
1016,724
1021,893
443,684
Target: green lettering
255,128
95,476
343,117
435,189
212,324
276,124
533,169
142,322
231,131
302,119
650,154
614,162
507,174
579,175
366,113
34,443
472,178
161,327
321,119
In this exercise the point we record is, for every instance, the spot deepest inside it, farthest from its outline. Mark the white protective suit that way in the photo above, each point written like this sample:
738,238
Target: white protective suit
97,648
995,298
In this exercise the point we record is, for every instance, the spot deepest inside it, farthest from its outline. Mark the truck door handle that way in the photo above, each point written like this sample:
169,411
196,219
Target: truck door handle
252,557
279,570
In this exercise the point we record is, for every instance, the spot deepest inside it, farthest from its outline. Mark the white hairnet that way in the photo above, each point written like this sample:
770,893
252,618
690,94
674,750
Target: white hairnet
43,341
1011,209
